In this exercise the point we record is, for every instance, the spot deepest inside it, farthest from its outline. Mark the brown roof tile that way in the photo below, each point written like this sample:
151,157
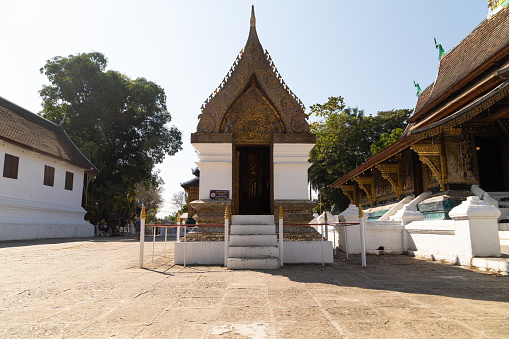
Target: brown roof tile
28,130
470,55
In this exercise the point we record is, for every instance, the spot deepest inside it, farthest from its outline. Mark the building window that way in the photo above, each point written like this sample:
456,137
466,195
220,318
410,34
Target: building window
49,175
11,164
69,178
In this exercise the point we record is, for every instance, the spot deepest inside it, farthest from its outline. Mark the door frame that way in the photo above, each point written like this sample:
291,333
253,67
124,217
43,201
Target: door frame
236,176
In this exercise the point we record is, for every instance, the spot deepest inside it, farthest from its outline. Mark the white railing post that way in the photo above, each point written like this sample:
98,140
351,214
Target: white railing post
363,236
153,242
281,250
178,227
345,229
226,235
165,238
326,226
323,260
185,241
142,234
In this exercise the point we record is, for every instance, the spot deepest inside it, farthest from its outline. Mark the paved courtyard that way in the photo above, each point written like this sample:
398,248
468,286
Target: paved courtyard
93,288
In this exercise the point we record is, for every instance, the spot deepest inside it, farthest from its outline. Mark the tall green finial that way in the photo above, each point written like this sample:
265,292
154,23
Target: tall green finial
418,88
441,51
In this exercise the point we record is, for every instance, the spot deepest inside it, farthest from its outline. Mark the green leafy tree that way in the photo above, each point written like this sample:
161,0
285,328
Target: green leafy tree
120,123
385,140
343,140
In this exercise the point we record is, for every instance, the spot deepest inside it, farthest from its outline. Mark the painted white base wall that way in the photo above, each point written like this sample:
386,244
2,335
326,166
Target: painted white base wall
212,253
25,219
379,234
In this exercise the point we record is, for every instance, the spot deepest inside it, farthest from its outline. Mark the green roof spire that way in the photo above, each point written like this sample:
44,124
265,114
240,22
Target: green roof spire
418,88
441,51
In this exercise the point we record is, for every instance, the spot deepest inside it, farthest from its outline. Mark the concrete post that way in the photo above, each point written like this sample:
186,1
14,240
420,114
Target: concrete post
476,228
226,235
281,235
178,227
142,235
352,233
362,236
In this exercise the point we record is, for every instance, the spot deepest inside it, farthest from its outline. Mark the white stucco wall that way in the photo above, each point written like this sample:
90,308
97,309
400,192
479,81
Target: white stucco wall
291,171
29,185
29,209
215,164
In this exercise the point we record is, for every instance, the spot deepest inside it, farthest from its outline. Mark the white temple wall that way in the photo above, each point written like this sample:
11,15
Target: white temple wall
291,171
29,209
29,184
215,164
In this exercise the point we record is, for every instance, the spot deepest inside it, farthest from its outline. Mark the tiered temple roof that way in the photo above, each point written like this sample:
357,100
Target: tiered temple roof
253,70
471,77
30,131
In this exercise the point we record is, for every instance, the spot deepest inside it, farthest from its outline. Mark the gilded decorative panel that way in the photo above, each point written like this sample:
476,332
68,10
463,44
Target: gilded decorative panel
467,157
252,118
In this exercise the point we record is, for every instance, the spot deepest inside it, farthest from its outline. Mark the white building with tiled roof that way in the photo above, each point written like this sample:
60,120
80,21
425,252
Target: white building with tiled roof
41,182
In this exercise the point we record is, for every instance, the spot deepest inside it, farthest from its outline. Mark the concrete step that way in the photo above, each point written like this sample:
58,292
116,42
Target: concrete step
253,229
253,239
252,264
253,220
253,251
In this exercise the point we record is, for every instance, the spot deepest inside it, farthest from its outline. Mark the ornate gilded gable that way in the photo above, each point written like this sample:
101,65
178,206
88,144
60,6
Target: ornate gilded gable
252,92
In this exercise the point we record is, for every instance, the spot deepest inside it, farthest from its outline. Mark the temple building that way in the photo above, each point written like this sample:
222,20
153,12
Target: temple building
43,172
253,142
457,137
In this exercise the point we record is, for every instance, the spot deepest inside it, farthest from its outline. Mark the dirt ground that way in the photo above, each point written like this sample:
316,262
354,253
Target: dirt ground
93,288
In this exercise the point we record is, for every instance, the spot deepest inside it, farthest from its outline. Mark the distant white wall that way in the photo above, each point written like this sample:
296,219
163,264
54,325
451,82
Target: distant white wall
215,164
29,209
291,171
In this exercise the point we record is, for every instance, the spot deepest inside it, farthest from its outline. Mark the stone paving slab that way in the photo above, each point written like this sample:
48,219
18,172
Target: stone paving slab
92,288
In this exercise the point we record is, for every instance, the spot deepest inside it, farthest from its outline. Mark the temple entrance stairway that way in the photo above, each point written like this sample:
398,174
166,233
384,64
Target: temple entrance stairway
253,243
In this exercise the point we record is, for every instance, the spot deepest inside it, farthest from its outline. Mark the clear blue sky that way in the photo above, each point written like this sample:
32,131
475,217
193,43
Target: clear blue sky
369,52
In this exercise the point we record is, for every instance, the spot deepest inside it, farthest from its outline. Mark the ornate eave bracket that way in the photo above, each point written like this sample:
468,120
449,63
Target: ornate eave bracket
350,192
431,155
367,185
391,173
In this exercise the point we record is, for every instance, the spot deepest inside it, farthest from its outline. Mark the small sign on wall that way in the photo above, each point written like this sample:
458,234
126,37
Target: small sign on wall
219,195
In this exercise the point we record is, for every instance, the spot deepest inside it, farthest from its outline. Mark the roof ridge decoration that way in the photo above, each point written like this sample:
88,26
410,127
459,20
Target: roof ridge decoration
253,66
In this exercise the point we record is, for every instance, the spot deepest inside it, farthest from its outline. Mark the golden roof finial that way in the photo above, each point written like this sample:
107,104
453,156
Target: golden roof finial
360,211
253,19
280,212
142,214
226,213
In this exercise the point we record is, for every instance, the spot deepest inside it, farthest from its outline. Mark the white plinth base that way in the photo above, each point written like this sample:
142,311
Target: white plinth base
212,253
25,219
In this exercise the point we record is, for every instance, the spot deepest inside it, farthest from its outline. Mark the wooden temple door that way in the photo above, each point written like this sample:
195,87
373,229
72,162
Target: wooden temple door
253,189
